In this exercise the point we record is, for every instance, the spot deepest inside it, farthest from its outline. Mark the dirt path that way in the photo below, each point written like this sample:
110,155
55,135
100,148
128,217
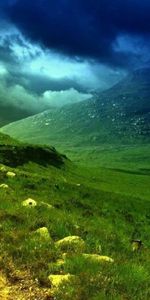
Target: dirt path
4,288
24,289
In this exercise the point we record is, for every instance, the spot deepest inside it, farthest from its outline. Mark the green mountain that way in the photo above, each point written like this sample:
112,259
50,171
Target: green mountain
104,208
16,114
118,115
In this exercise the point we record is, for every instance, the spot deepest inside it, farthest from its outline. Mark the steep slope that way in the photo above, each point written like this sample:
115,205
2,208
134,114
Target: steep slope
119,115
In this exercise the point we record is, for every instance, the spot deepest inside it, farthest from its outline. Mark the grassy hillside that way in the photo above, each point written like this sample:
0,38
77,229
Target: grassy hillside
105,207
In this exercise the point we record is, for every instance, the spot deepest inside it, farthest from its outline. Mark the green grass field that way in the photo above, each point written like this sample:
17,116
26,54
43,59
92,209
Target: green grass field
103,197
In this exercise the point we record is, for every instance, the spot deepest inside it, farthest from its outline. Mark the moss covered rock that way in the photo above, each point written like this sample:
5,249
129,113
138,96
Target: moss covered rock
57,280
71,244
3,169
4,186
29,203
10,174
97,258
43,233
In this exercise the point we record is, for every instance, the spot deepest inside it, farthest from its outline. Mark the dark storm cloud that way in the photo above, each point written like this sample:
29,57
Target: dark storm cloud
83,28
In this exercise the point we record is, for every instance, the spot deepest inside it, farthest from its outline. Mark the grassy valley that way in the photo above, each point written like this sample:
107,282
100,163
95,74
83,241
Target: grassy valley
97,193
74,150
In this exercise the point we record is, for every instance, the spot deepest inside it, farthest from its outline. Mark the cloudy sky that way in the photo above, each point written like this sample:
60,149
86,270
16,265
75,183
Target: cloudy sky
54,52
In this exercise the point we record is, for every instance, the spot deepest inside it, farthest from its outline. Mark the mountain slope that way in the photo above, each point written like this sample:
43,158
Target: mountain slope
119,115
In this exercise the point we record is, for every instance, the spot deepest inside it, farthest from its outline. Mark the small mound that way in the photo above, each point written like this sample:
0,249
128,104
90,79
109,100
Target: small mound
17,155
